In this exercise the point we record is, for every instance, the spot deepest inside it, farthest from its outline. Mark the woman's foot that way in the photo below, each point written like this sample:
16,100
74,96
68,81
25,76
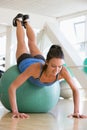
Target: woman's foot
19,17
25,19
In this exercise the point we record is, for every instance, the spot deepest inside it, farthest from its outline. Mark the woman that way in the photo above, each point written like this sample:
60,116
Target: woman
34,67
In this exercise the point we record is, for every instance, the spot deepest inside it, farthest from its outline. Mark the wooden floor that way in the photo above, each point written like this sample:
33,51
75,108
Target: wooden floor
56,119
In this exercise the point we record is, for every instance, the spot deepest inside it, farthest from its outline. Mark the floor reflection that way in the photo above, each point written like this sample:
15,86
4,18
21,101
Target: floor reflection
54,120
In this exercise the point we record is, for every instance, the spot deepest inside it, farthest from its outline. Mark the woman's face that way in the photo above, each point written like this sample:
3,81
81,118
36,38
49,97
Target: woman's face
55,66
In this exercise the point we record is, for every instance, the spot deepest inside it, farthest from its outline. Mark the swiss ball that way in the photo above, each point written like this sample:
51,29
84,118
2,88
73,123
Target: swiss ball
65,90
30,98
85,65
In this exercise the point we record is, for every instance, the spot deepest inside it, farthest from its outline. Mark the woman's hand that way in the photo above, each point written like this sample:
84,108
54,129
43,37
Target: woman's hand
20,115
77,115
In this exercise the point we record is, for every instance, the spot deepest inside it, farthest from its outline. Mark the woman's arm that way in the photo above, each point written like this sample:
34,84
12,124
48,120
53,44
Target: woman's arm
65,74
12,91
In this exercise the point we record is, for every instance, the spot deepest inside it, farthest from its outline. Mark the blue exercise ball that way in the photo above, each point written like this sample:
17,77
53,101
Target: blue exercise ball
30,98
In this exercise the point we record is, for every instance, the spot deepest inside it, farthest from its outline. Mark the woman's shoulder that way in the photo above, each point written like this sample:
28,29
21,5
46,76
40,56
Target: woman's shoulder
63,73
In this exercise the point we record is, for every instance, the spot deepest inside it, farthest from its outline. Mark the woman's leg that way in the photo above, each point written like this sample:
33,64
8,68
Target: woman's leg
21,45
34,50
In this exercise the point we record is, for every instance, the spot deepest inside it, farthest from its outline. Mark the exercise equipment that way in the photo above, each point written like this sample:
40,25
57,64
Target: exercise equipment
85,65
30,98
65,91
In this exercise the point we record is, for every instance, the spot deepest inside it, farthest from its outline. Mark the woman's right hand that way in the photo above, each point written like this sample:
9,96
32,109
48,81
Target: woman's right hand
20,115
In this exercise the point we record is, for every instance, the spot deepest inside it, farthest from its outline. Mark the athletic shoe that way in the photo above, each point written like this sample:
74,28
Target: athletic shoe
25,19
18,17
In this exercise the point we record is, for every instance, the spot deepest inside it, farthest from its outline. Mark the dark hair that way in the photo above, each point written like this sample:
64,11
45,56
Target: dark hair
55,51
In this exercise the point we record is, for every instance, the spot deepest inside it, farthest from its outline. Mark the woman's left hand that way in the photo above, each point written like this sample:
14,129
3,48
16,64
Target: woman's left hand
77,115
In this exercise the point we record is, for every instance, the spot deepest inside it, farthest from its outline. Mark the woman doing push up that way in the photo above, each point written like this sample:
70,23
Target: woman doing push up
34,67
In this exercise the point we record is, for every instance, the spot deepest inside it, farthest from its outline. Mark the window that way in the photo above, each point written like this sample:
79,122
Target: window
75,32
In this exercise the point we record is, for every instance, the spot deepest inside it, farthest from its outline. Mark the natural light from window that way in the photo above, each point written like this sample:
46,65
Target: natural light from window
75,32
